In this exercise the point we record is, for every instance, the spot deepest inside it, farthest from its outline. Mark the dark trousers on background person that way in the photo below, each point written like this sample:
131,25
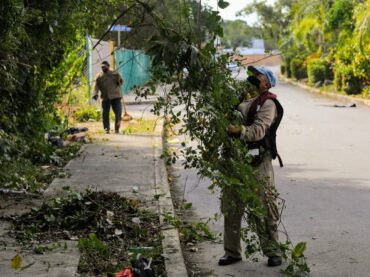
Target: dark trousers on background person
117,109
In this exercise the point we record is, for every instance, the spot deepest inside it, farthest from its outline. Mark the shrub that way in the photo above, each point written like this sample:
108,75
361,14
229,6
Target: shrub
298,68
352,84
316,71
338,80
282,69
287,66
340,15
366,92
87,113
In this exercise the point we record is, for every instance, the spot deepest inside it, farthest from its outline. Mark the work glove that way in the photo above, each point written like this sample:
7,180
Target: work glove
234,131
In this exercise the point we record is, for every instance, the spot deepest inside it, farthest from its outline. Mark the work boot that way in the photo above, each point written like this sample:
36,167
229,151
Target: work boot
274,261
227,260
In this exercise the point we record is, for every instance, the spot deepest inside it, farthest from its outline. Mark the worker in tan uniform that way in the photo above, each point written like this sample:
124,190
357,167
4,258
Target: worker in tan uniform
261,118
109,84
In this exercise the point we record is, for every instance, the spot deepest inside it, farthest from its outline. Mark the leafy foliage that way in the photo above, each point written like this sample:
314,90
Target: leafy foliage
87,113
316,71
35,175
41,58
190,231
336,31
238,33
298,68
272,19
340,15
298,264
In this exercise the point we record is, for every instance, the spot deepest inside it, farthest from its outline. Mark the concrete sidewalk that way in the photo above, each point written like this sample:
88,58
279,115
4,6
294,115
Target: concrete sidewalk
126,164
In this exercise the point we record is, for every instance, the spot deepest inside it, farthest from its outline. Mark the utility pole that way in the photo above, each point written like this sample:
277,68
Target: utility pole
111,53
89,66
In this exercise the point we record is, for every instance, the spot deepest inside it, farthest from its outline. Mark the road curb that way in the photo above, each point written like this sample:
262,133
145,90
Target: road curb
327,93
174,259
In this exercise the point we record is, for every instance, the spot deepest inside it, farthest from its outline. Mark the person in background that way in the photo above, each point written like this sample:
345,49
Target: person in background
109,84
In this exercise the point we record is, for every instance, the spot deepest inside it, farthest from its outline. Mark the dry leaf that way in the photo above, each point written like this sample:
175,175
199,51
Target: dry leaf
16,262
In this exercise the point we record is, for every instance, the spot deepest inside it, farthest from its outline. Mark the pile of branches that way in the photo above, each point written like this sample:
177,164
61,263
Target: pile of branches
110,229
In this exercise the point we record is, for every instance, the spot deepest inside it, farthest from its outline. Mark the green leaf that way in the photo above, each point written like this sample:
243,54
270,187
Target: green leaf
157,196
299,250
187,206
39,250
223,4
219,31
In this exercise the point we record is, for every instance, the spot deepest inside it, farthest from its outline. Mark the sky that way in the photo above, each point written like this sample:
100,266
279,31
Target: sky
233,8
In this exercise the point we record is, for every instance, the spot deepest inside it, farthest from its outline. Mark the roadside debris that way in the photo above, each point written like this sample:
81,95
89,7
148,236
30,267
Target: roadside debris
353,105
141,268
113,232
73,135
75,130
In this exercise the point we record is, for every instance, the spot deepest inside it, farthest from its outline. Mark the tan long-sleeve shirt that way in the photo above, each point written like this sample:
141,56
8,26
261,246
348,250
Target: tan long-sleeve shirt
264,117
109,85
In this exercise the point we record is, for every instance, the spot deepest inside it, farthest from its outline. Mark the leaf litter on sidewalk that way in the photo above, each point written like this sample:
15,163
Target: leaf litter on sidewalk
111,230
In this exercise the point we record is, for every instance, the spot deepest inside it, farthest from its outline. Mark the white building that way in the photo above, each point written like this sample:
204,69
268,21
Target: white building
257,48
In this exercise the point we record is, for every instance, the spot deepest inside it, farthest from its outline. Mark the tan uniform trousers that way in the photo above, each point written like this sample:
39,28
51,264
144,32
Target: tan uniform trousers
233,210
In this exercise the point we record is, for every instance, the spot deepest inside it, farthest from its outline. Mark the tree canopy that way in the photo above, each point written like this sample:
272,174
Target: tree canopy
43,54
335,34
321,40
272,19
239,33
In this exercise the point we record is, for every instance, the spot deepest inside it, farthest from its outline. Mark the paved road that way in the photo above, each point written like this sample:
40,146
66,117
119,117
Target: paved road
325,182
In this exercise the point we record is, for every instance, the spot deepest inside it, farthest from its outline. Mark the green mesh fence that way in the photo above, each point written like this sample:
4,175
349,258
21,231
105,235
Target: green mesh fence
134,67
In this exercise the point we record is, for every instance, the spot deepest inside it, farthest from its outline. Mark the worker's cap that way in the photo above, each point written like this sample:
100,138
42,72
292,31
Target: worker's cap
264,71
105,63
